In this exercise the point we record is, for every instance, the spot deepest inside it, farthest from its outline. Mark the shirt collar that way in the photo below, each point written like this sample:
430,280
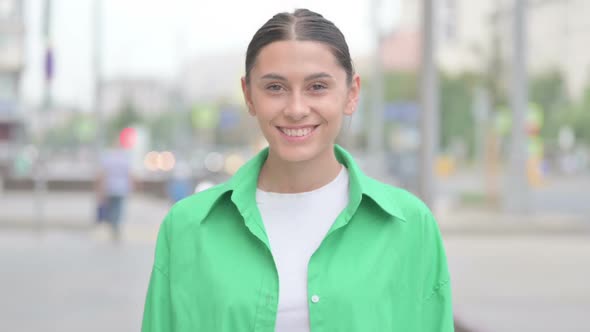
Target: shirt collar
363,185
243,185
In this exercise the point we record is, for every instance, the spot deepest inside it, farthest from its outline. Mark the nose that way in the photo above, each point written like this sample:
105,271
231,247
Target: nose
296,108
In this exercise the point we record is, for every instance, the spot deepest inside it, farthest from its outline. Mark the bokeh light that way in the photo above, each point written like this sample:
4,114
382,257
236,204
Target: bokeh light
214,162
166,161
128,138
232,163
151,161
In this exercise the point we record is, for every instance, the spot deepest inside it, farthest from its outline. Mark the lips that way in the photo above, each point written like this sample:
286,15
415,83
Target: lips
297,132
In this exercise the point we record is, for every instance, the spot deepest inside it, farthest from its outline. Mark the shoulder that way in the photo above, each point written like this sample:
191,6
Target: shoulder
193,209
182,218
399,202
418,219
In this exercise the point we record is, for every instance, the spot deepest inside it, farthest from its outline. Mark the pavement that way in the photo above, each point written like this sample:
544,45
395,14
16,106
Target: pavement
143,213
75,211
509,273
486,222
521,283
64,280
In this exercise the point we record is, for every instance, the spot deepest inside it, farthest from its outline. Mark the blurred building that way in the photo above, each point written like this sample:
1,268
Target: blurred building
400,51
147,96
11,67
467,32
213,78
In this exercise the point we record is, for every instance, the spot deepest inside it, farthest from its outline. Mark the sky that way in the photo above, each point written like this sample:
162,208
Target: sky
151,38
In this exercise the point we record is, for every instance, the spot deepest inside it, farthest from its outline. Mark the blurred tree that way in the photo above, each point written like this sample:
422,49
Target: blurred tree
401,86
578,117
457,123
77,130
547,89
495,79
166,129
128,116
456,98
60,136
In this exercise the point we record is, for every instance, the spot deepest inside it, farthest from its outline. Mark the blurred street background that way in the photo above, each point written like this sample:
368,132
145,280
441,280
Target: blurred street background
481,108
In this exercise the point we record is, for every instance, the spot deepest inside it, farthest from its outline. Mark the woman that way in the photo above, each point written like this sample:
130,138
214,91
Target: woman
299,239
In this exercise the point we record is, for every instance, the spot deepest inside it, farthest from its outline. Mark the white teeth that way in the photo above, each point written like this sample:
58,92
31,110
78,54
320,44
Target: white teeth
296,132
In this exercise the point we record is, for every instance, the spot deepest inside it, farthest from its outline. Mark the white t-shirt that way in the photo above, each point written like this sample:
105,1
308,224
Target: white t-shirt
296,224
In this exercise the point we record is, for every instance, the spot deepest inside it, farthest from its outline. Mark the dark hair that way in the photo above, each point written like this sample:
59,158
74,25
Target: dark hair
303,25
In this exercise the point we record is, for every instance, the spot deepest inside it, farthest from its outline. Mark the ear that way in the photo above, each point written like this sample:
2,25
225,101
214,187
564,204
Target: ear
353,95
247,97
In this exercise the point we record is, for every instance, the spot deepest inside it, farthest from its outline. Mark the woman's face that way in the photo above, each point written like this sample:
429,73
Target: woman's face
299,95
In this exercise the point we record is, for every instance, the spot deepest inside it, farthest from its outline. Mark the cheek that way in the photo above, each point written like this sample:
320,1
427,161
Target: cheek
267,106
332,108
337,100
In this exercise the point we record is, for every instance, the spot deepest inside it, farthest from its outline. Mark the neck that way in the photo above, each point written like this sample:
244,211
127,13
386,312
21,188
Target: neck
281,176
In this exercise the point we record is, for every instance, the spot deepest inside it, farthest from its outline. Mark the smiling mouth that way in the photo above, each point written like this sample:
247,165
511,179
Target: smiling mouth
297,132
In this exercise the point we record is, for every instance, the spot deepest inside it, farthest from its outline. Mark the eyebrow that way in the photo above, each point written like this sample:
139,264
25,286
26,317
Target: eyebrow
274,76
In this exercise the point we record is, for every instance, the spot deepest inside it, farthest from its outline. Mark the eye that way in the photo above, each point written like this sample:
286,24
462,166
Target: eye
274,87
318,87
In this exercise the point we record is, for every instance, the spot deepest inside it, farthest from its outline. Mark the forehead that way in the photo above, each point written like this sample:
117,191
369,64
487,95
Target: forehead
292,58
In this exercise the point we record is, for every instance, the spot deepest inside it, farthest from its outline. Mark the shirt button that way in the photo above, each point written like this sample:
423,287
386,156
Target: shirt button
315,299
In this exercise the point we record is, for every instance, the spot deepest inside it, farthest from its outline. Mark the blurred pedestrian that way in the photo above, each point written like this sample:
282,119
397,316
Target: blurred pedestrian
180,185
299,239
114,184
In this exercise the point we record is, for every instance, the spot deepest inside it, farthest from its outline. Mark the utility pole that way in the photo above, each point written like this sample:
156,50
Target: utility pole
48,56
40,181
430,104
376,130
516,192
97,75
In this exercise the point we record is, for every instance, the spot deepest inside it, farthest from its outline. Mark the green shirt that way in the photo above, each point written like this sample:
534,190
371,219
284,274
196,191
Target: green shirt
381,267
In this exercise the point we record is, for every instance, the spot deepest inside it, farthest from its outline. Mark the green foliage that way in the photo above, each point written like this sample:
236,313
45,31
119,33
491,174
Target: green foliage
59,137
577,116
549,92
166,128
456,117
401,86
582,121
128,116
78,129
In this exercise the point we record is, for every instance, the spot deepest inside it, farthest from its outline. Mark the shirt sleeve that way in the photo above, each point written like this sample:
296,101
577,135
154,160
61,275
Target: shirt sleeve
437,311
157,315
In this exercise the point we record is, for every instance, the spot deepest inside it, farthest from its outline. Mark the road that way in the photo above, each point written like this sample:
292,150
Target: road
507,283
81,281
557,195
72,281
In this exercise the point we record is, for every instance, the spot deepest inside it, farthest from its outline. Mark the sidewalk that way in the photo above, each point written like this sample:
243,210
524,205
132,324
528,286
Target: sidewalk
500,282
76,211
489,222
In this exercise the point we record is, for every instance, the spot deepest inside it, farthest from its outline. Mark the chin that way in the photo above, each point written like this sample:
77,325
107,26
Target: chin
297,154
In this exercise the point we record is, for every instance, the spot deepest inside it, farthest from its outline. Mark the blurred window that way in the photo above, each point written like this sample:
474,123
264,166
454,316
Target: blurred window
7,87
7,8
